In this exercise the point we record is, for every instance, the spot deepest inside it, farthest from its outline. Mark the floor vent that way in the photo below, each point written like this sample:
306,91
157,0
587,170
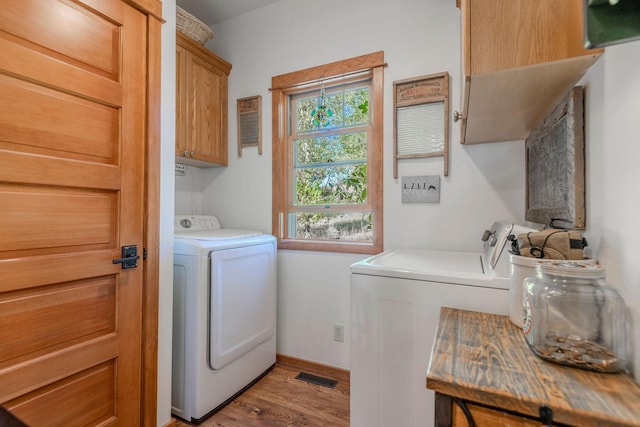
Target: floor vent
314,379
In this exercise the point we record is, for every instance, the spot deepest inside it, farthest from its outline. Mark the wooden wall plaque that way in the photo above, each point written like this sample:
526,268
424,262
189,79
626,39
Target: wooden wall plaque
250,123
421,119
555,166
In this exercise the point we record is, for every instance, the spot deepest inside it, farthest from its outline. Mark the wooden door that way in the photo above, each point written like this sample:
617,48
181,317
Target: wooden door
72,140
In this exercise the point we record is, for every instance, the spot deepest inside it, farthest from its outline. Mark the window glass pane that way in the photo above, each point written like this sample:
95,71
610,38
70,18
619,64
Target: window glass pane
331,185
347,226
331,148
304,107
356,107
349,107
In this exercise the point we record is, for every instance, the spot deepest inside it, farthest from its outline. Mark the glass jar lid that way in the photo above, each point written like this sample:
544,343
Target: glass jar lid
572,269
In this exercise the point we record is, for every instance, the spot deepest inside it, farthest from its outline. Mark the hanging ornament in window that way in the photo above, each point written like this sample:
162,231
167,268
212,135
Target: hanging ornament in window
322,113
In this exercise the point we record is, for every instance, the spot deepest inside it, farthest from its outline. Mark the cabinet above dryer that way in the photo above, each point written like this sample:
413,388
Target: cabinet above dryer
201,105
519,59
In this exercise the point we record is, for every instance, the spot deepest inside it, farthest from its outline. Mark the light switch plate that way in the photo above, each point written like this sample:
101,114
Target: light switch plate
421,189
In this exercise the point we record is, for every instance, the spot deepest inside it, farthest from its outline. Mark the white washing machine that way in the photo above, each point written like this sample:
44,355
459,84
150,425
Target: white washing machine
395,303
224,313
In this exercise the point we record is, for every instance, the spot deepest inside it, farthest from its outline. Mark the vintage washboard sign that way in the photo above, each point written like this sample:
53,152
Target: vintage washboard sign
250,123
556,166
421,117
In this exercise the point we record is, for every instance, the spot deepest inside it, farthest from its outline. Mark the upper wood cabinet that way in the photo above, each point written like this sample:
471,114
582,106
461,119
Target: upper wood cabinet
520,58
201,105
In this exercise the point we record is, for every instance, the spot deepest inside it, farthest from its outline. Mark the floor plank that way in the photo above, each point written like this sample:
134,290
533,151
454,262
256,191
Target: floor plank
279,399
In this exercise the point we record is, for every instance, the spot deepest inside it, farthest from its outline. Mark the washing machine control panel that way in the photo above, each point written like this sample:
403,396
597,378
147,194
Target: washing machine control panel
195,223
497,239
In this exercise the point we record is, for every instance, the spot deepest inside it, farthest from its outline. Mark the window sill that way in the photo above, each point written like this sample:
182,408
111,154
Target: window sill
330,246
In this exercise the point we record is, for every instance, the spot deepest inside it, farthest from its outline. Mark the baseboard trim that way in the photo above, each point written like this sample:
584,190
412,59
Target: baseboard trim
172,423
313,367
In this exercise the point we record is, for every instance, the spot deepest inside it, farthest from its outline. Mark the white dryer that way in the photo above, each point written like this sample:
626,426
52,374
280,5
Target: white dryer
395,302
224,313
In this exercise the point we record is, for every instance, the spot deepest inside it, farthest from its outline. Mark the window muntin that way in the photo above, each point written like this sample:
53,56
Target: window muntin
331,147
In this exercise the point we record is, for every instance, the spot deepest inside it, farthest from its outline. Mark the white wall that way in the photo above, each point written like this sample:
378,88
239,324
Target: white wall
167,161
486,182
613,174
418,37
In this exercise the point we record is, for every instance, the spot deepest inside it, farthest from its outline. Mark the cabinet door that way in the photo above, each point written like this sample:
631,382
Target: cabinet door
208,121
201,105
506,34
519,59
182,103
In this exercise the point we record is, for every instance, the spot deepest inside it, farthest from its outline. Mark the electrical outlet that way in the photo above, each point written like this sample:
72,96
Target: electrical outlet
338,332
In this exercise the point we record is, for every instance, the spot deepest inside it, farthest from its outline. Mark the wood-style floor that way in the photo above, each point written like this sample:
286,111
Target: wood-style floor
279,399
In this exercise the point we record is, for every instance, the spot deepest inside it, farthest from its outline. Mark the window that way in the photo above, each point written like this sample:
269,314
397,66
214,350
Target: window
327,157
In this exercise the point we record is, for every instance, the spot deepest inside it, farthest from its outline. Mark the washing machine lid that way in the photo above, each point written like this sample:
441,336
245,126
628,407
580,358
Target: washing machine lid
220,234
430,265
199,234
206,227
488,268
423,261
420,264
200,244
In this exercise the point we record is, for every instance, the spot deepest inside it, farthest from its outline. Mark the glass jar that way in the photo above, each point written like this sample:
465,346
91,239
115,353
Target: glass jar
573,318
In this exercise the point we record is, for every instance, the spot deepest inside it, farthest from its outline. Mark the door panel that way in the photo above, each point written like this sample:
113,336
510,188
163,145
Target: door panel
73,217
43,120
57,403
55,317
72,140
69,31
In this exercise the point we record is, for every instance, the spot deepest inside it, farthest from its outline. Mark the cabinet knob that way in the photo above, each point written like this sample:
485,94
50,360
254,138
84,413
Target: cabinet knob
191,154
457,115
185,153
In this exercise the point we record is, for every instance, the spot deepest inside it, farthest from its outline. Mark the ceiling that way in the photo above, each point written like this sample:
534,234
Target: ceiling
213,11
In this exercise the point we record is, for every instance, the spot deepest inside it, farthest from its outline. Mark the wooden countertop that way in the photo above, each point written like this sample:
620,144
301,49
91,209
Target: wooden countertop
484,358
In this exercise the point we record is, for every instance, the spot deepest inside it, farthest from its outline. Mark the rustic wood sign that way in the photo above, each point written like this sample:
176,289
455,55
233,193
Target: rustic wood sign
250,123
555,166
421,117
